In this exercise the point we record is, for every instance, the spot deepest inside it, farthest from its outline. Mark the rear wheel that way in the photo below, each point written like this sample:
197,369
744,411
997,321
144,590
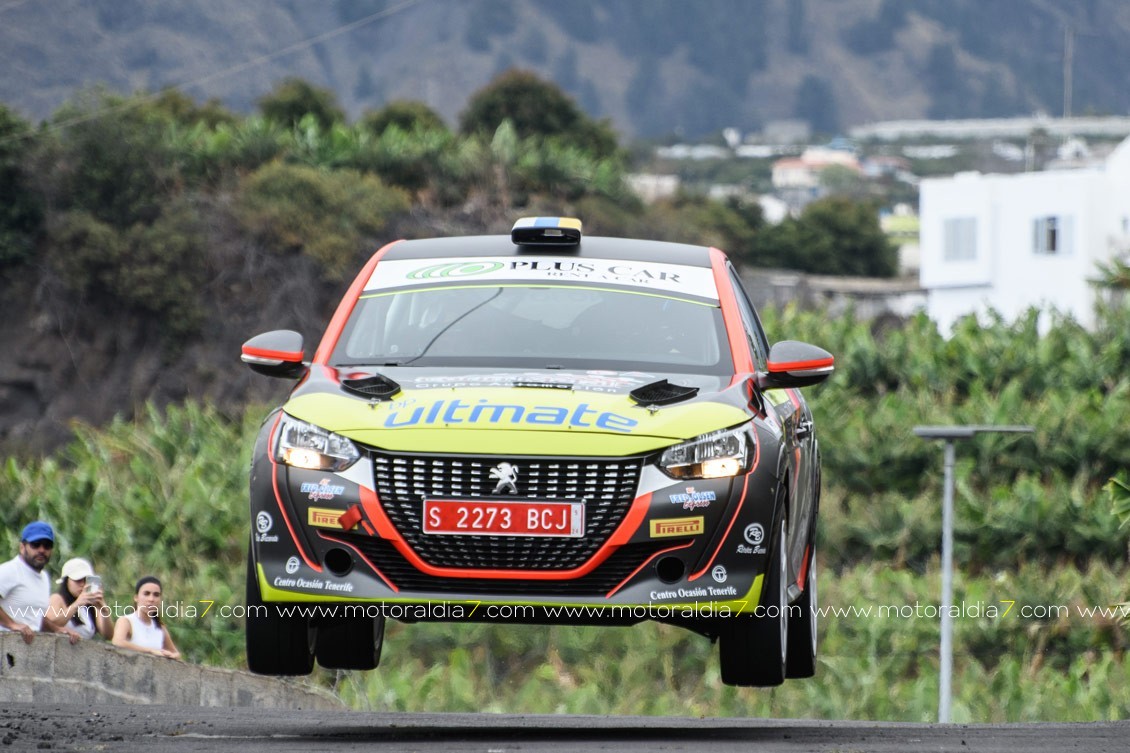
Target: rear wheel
802,631
753,650
350,642
276,644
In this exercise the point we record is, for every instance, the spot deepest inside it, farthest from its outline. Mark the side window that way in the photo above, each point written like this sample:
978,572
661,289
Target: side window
959,239
758,343
1052,236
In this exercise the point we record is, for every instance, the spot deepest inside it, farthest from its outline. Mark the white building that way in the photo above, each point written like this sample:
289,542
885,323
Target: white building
1010,242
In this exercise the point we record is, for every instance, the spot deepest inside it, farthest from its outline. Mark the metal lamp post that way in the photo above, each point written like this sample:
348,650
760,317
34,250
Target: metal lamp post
950,435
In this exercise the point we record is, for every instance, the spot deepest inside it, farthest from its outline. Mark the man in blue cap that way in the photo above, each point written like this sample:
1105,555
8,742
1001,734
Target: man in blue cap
25,589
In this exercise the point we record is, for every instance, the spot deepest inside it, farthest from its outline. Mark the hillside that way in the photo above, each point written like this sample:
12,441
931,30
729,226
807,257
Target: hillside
654,68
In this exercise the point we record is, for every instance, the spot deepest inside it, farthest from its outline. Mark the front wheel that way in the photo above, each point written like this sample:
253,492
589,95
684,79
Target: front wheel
802,631
753,650
350,642
277,643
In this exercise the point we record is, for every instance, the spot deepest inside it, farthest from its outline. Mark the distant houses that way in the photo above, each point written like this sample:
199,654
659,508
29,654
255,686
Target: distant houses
1010,242
1004,242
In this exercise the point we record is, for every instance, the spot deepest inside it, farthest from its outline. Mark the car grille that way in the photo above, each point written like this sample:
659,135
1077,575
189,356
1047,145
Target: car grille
606,486
602,580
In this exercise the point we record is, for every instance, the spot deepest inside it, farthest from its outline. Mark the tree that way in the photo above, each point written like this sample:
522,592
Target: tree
294,98
535,108
832,236
113,159
21,210
181,108
407,115
731,225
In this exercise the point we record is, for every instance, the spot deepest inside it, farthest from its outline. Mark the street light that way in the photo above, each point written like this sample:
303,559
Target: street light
950,435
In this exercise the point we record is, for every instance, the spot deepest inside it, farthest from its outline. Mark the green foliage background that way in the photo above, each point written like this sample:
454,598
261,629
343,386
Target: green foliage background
166,494
123,201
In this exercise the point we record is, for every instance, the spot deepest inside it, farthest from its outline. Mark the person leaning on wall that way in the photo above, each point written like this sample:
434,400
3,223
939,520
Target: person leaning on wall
142,630
79,603
25,587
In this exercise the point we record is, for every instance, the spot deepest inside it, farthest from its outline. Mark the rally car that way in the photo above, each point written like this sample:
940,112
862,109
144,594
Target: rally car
542,428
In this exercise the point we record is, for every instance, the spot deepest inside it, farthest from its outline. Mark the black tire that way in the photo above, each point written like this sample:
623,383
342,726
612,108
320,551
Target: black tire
753,650
802,629
276,644
350,642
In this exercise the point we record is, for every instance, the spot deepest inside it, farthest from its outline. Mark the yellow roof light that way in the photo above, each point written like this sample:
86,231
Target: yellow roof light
546,231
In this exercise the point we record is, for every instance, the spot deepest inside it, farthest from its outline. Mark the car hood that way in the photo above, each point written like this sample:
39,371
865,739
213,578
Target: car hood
514,411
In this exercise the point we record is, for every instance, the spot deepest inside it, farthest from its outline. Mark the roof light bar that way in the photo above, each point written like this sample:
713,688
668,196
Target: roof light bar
546,231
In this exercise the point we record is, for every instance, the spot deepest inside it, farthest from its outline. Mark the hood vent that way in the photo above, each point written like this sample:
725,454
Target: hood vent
375,387
662,393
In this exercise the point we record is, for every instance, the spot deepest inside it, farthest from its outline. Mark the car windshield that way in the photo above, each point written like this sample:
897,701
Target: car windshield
529,326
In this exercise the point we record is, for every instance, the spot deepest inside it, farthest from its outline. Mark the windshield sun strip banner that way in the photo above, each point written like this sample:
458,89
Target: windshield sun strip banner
697,282
700,301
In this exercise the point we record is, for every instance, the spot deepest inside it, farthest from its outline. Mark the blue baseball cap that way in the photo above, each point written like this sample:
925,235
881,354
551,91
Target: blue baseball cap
38,531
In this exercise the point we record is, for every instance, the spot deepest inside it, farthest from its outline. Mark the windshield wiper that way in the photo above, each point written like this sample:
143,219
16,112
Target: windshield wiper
453,322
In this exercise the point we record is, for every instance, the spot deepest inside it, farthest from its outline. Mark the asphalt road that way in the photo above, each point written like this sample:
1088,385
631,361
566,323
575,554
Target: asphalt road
160,729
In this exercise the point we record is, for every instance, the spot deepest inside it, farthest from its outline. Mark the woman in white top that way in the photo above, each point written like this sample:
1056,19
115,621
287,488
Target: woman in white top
142,630
79,603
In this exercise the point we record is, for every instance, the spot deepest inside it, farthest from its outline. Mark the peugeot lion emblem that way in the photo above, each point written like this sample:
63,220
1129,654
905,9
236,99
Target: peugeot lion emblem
507,475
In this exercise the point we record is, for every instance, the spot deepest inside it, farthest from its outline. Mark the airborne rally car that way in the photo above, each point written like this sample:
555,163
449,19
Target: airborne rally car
537,428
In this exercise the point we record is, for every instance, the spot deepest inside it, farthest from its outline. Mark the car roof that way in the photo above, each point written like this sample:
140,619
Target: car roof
590,247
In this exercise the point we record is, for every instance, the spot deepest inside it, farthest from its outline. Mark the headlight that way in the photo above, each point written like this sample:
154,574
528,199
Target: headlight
719,454
304,445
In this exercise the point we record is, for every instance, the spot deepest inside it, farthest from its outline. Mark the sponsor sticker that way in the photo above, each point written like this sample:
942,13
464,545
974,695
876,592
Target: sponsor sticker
292,565
695,592
321,517
323,490
446,412
718,574
263,525
691,499
673,278
676,527
590,381
317,583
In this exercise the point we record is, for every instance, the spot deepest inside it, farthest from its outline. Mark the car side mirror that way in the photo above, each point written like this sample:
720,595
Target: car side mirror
276,354
795,364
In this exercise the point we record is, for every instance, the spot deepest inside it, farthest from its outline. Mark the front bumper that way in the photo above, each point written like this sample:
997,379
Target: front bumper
653,547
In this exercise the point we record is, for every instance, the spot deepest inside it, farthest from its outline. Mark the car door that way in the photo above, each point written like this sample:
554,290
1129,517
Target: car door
799,446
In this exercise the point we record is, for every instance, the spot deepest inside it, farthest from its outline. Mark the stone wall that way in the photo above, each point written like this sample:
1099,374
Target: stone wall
51,670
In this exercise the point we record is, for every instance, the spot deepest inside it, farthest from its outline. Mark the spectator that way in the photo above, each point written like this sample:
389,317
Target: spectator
142,630
79,603
25,590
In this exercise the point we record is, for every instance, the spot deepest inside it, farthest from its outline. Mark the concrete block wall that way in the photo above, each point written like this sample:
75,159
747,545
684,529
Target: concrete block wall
51,670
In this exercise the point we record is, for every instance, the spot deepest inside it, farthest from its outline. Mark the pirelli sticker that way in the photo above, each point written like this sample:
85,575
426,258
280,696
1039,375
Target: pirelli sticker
676,527
320,517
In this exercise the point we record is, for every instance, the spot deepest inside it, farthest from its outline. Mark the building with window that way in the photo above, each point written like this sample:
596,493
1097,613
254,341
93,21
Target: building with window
1010,242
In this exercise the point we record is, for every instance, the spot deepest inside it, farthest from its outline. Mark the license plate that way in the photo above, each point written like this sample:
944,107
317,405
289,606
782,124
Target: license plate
504,518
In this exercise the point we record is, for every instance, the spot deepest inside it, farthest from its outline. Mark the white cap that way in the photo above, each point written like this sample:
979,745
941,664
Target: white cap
76,569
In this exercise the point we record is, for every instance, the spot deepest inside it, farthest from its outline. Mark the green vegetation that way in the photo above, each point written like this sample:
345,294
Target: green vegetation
21,210
133,205
323,214
295,99
1038,544
536,110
